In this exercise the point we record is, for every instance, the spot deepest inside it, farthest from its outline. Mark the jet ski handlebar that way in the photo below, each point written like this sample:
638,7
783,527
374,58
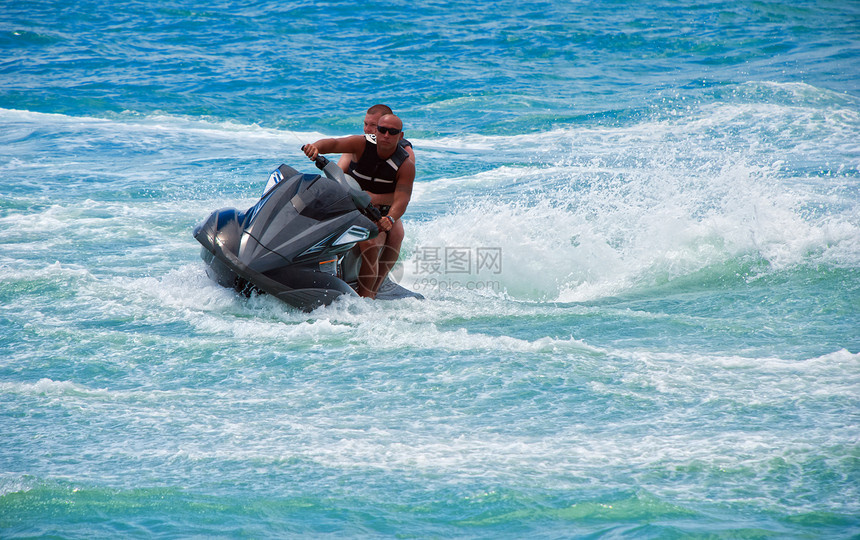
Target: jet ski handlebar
359,197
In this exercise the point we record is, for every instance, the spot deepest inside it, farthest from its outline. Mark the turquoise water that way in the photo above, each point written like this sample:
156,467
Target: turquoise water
637,228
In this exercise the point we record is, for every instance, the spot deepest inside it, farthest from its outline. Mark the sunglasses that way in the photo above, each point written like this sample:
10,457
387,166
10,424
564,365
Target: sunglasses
389,130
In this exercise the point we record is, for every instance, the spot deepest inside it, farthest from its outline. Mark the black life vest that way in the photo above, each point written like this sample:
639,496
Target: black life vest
374,174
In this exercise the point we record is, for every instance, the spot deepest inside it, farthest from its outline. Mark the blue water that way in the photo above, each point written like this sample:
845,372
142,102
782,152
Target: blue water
637,227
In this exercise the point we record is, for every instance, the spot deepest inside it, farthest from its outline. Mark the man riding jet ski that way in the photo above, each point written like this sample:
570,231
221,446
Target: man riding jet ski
298,243
383,167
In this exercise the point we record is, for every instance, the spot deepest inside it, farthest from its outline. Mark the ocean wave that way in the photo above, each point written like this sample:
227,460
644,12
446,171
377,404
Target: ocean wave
593,238
589,211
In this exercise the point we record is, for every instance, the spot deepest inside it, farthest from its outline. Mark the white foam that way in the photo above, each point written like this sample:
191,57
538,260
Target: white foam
151,147
134,123
600,210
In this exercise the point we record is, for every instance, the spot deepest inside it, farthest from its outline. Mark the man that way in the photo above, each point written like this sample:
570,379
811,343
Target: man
383,168
371,119
394,238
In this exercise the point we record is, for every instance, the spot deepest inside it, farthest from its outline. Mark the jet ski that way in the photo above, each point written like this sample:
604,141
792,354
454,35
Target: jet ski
298,243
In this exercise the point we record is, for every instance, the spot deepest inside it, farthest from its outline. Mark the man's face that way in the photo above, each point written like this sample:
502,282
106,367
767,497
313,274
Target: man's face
388,140
370,122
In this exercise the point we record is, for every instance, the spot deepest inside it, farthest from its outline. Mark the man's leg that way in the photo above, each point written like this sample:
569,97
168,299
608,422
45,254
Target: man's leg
390,253
369,270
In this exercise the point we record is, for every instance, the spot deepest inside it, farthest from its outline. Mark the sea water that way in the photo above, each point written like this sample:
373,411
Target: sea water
636,226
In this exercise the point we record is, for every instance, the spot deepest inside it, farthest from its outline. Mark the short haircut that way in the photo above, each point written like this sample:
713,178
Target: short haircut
380,109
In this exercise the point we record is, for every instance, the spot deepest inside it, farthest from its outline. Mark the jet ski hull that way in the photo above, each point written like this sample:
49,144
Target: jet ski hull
298,243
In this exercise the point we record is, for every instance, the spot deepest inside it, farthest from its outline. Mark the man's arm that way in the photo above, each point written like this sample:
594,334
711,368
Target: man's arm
344,161
353,144
403,189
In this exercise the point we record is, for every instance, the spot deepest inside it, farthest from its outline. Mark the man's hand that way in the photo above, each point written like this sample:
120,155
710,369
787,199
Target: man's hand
384,224
311,151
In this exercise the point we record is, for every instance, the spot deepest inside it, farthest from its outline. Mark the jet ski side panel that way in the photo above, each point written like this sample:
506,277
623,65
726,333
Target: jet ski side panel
312,288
